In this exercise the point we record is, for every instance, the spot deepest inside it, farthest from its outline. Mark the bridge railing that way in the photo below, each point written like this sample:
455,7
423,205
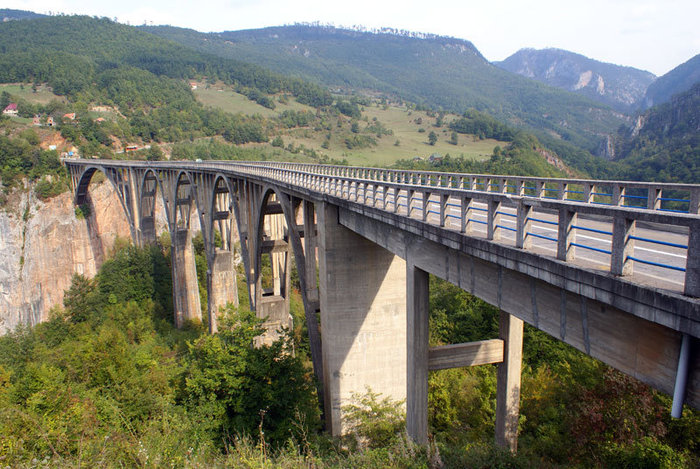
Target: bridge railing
524,218
515,214
684,198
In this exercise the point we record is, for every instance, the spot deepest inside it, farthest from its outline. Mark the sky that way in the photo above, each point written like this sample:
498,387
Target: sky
653,35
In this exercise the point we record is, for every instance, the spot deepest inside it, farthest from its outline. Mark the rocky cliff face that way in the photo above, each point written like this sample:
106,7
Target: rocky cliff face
42,244
620,87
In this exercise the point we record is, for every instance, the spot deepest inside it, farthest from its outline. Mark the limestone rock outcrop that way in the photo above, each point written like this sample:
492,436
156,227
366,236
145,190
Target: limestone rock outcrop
42,244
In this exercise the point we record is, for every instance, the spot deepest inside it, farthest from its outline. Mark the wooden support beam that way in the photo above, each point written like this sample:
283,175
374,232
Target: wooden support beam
483,352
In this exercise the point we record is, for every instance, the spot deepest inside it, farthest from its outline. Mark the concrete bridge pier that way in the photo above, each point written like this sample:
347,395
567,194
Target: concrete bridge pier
363,305
417,353
184,273
508,381
506,351
273,276
222,286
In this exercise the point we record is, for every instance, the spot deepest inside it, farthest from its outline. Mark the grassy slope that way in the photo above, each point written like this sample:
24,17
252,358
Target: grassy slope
43,94
411,142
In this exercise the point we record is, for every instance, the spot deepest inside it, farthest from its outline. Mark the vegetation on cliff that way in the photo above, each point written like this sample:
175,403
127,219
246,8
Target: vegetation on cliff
665,145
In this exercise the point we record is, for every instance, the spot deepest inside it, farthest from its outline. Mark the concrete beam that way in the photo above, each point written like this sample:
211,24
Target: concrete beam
483,352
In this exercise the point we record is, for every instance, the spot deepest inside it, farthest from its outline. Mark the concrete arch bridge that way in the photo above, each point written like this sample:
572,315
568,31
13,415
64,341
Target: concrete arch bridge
609,267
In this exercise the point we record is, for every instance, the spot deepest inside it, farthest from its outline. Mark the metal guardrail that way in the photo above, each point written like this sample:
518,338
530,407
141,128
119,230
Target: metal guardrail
509,214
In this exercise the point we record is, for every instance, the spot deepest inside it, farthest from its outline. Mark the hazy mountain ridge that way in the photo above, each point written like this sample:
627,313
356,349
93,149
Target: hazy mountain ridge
680,79
7,14
620,87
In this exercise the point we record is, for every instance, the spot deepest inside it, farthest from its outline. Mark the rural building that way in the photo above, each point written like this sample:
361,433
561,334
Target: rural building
10,110
36,121
49,121
69,116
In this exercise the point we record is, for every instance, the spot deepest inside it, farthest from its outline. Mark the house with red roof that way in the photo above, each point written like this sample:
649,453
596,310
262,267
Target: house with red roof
10,110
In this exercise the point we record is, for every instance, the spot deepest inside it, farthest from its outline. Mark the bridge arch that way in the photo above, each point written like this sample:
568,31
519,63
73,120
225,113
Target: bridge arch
271,282
150,185
222,212
217,218
183,200
120,180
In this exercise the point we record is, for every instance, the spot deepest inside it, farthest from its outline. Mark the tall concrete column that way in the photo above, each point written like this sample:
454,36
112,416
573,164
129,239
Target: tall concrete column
508,382
363,322
147,230
417,314
185,289
222,286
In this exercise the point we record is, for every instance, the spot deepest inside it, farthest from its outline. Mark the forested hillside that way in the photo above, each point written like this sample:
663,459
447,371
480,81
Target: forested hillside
69,51
664,145
439,72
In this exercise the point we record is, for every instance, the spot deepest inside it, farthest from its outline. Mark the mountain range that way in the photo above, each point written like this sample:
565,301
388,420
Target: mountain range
435,71
575,105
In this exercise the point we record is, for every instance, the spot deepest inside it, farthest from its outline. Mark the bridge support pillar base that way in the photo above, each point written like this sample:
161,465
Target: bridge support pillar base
185,289
363,307
147,231
508,382
222,286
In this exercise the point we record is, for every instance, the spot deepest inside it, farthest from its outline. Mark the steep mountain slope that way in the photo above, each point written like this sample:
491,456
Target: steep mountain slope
7,14
664,145
678,80
615,85
436,71
69,50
